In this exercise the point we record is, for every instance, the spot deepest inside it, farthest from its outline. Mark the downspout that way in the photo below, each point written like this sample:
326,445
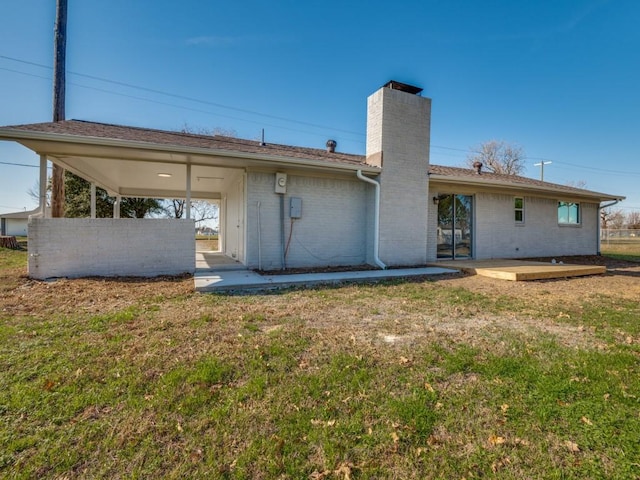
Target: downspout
259,239
615,202
283,258
376,220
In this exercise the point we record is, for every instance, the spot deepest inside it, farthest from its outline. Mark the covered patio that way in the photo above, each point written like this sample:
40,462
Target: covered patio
145,163
130,162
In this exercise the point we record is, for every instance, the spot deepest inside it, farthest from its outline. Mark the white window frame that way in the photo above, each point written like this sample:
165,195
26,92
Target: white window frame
516,210
568,205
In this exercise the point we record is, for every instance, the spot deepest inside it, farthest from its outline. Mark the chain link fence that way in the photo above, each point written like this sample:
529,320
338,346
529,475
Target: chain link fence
615,235
620,241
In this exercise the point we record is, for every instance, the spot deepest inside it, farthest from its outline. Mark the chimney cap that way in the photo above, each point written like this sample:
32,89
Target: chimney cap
331,146
393,85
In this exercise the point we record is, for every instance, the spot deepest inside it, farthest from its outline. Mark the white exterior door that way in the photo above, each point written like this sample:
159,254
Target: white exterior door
234,221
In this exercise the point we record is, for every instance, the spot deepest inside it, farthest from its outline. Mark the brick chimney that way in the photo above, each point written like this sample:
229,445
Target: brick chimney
398,137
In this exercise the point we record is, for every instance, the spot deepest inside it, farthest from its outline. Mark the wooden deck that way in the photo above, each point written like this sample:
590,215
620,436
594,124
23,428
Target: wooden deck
521,270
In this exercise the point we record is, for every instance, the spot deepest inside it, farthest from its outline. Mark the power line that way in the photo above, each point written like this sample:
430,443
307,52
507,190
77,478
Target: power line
201,111
9,206
19,164
251,112
184,97
111,92
596,169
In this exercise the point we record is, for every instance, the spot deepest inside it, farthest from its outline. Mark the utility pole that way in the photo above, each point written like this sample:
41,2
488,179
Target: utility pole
541,165
59,61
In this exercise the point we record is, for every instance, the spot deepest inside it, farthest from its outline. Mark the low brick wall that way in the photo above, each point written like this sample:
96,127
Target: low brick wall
83,247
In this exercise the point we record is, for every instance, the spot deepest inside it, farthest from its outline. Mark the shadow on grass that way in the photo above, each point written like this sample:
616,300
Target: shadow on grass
270,290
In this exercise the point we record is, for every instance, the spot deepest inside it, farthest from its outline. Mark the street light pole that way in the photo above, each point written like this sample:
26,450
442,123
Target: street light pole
541,165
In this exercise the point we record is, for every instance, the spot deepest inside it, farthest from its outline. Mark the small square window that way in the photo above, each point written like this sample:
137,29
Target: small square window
568,213
518,203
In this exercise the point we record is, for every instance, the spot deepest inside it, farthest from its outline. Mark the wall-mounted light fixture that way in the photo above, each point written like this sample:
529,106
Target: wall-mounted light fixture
436,200
164,175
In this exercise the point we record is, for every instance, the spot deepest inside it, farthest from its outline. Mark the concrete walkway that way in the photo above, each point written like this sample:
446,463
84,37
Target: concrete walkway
225,280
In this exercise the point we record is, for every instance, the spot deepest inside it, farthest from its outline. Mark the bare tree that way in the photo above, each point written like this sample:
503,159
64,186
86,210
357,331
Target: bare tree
498,156
34,193
201,210
174,208
633,220
612,218
225,132
577,184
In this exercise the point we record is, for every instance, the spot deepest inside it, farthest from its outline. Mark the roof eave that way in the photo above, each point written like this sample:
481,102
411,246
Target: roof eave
22,215
18,135
584,194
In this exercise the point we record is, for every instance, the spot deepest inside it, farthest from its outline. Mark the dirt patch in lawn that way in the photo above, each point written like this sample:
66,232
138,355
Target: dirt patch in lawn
106,294
378,317
91,295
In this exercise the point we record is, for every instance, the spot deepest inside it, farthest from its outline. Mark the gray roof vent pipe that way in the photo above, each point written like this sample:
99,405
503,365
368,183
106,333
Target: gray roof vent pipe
331,146
477,166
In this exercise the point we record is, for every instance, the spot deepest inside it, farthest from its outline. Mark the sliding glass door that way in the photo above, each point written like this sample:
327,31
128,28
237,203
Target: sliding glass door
455,228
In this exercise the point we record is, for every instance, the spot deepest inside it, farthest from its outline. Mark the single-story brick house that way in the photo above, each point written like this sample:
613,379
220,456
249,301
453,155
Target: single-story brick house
285,206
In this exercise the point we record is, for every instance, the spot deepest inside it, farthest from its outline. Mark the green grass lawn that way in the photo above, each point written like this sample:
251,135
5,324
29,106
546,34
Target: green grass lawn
395,380
623,250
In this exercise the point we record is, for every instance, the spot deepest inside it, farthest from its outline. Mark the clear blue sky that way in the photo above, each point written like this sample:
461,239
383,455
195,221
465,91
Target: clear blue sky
561,78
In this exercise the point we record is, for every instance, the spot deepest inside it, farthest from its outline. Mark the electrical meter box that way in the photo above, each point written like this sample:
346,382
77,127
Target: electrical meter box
295,207
281,182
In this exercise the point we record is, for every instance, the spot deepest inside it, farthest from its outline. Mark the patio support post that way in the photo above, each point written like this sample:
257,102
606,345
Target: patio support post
116,207
188,190
42,194
93,200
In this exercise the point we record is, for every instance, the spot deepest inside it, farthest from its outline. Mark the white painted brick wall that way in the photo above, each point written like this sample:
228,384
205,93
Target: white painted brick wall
81,247
398,125
331,232
497,235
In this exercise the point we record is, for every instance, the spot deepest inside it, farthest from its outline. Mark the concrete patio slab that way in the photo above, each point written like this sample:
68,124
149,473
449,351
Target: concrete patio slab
249,280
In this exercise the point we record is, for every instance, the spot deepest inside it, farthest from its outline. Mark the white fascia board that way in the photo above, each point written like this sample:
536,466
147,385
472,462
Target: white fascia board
16,135
20,215
585,194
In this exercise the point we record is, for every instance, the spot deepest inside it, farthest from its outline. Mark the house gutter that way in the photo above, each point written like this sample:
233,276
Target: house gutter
376,220
599,229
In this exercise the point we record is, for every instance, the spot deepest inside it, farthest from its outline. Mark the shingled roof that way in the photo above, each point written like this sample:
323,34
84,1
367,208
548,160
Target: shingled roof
81,128
177,140
469,174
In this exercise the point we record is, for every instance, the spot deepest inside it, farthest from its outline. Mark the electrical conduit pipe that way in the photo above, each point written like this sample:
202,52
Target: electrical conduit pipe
376,219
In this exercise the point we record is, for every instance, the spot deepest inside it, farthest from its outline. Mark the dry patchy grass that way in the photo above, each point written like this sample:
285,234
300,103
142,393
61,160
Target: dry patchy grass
463,377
